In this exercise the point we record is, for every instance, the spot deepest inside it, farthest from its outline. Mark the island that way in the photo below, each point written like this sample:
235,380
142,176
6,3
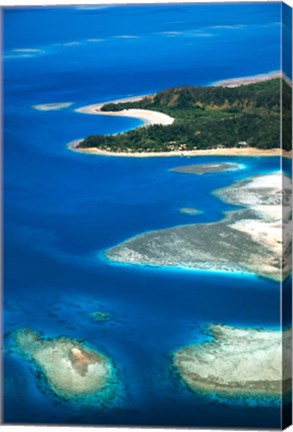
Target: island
70,369
248,240
231,364
243,119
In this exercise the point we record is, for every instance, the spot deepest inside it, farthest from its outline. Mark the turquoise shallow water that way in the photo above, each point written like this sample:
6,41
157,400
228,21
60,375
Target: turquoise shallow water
63,209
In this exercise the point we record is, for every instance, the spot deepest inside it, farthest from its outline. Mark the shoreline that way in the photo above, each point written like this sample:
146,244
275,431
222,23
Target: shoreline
250,151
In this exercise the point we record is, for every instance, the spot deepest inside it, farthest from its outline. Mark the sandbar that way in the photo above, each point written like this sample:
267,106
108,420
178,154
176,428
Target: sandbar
56,106
190,211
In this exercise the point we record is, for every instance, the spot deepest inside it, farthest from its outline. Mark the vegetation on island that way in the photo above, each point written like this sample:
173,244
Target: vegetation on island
205,118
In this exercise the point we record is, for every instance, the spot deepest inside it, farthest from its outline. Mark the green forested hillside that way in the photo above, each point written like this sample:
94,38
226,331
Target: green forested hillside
205,118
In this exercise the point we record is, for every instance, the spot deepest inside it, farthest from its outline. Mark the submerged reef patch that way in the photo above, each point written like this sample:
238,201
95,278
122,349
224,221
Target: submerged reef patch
231,365
100,316
206,168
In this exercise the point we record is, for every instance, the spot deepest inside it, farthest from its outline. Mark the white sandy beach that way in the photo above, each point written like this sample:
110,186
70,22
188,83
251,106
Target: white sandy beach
95,108
235,82
148,117
249,151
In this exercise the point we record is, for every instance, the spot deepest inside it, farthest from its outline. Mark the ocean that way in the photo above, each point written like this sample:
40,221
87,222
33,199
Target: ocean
63,209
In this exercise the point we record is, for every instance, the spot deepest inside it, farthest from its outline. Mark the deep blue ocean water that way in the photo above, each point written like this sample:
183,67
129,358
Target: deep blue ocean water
63,209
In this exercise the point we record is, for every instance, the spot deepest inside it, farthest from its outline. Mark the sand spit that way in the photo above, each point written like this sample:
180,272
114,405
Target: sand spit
232,364
148,117
247,241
